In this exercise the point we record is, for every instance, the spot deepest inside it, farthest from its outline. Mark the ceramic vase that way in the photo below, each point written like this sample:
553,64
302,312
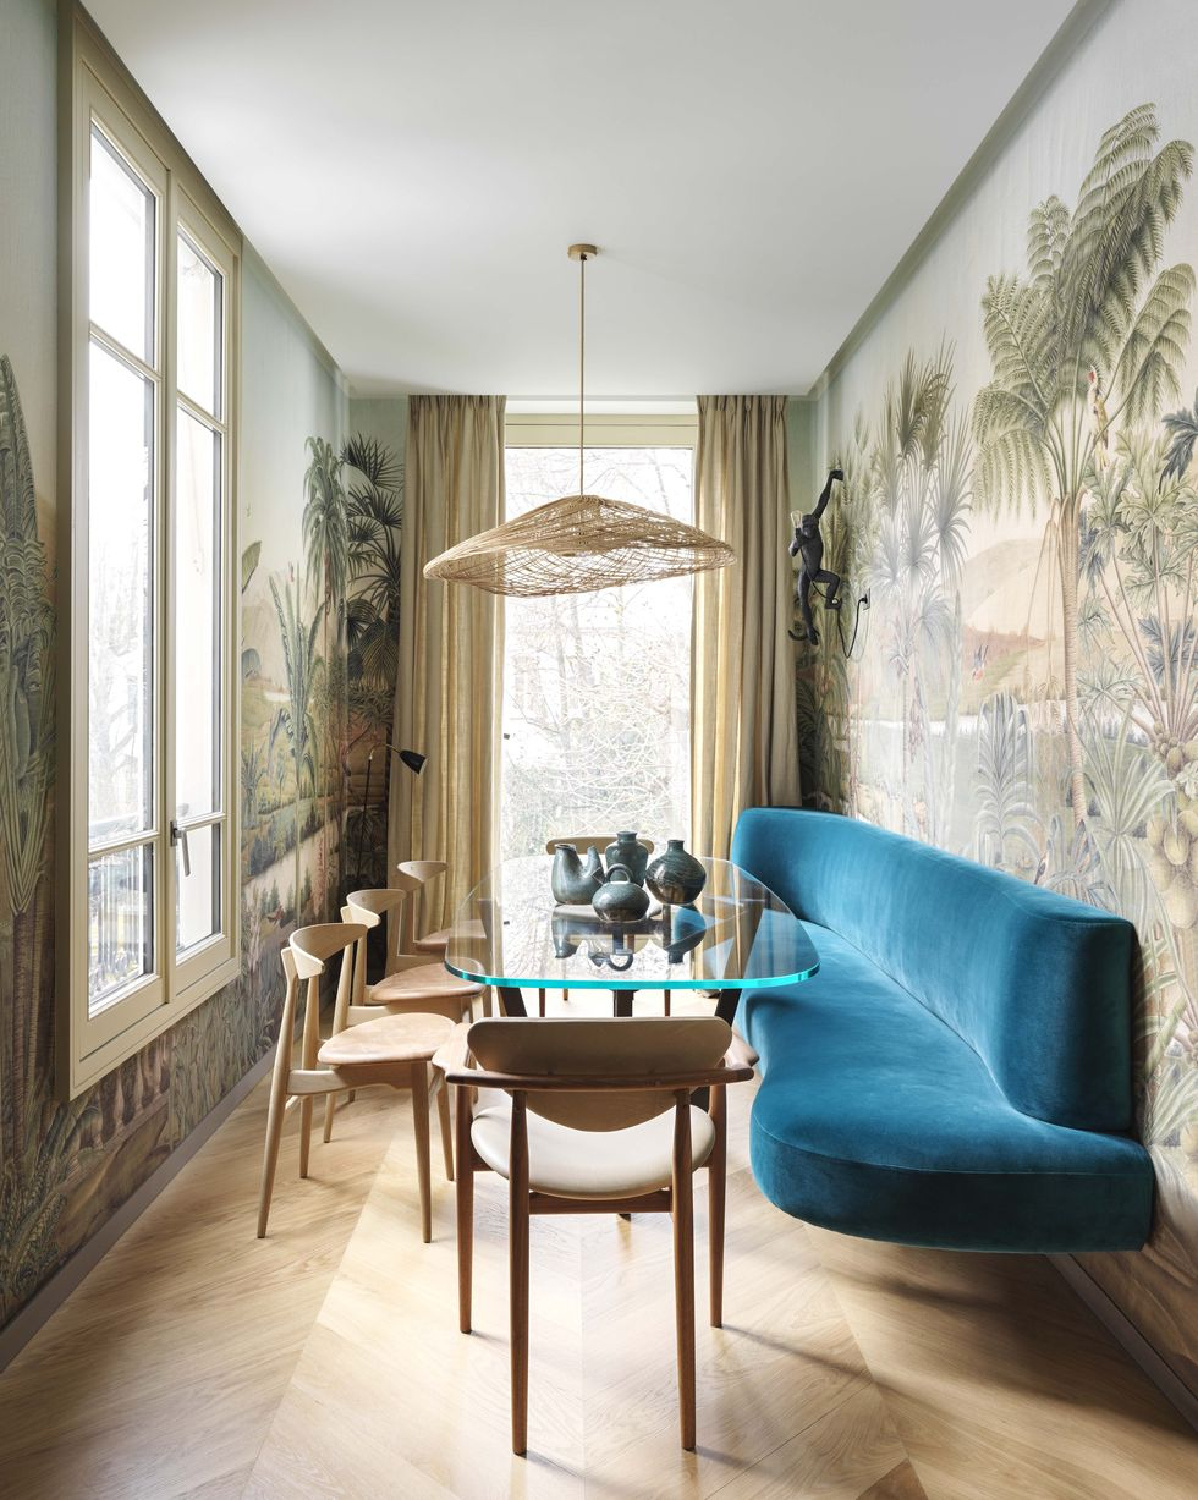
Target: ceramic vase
676,877
620,899
627,852
572,883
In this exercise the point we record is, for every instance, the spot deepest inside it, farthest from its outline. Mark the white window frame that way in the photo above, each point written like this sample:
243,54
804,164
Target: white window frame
94,86
559,429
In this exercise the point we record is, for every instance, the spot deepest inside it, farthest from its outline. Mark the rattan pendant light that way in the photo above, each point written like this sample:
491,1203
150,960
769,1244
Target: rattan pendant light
581,542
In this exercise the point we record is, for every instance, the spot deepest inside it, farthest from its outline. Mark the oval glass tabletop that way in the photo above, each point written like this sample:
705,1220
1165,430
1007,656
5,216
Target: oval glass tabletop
738,935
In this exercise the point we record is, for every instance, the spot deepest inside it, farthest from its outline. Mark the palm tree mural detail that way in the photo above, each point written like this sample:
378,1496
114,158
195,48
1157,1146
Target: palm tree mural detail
1076,768
38,1139
294,723
375,513
1093,335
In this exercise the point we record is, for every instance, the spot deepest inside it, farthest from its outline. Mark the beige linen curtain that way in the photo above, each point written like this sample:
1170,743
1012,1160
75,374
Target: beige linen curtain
744,740
448,697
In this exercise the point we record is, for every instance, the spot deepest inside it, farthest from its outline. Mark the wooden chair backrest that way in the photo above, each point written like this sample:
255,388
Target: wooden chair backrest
625,1056
422,870
304,958
583,841
311,946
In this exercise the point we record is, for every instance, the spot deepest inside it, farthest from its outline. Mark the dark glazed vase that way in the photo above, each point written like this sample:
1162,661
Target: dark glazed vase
627,852
676,877
572,884
620,899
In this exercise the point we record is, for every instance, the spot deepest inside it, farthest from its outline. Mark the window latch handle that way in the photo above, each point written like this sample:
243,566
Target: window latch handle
179,836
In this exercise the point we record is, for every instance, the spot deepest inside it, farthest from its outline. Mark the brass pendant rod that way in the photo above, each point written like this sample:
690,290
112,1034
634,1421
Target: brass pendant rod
582,367
582,253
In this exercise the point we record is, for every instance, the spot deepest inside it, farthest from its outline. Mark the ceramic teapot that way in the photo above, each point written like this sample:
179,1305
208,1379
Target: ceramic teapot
620,899
572,882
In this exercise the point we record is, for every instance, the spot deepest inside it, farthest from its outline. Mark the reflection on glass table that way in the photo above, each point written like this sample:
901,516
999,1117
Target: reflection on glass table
739,935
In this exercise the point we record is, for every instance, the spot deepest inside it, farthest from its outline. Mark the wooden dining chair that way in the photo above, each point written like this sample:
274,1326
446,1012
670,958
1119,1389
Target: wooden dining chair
582,842
434,944
411,981
412,984
598,1118
376,1048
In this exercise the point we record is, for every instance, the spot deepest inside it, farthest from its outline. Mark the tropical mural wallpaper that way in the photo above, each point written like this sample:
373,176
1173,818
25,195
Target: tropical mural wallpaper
1025,691
319,581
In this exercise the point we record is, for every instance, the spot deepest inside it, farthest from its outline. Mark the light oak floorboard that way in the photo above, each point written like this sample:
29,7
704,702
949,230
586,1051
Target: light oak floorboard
1001,1383
326,1360
160,1376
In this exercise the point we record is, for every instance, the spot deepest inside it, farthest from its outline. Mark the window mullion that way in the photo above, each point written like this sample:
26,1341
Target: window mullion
170,421
204,418
113,346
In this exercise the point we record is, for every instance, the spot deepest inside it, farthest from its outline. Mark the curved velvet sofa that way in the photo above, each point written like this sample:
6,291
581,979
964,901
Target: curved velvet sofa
958,1074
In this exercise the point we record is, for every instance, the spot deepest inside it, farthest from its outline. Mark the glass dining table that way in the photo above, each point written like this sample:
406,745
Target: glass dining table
510,935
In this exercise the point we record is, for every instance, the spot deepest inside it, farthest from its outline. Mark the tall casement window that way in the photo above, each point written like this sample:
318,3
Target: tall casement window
148,923
596,687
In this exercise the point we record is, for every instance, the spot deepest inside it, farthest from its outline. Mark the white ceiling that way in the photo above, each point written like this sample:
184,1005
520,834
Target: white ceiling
752,170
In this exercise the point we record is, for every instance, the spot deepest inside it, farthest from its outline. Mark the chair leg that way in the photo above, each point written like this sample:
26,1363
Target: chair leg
330,1105
420,1129
681,1204
717,1185
274,1133
446,1128
465,1196
518,1229
666,998
305,1132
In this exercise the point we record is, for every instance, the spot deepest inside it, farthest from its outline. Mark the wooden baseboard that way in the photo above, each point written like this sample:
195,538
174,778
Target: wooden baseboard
1129,1336
46,1303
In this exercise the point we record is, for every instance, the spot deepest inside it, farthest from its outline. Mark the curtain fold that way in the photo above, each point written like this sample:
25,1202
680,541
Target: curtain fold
448,694
744,739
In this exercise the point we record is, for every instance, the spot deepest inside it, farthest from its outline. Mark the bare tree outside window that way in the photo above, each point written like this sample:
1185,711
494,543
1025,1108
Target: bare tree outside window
596,707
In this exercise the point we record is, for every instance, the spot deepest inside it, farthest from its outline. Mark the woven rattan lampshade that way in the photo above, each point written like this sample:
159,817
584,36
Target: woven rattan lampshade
581,542
578,544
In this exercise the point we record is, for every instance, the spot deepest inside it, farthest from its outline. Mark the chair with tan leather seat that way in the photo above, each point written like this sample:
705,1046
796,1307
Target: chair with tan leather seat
596,1116
411,981
377,1048
434,944
582,842
412,984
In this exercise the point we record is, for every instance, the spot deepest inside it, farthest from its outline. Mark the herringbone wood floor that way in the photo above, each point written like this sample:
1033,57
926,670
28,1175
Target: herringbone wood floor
325,1361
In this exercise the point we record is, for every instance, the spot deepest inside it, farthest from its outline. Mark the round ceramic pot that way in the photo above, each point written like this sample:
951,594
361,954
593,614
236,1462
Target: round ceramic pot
572,883
676,877
620,899
627,852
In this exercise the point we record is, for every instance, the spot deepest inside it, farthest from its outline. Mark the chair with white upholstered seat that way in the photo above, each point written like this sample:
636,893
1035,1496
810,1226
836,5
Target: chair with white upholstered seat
595,1116
390,1049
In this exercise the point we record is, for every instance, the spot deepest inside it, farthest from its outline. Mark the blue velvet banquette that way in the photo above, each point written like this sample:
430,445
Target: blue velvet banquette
958,1073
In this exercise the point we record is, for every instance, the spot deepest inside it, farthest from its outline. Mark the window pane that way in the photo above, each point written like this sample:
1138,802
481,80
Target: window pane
197,638
596,707
121,250
120,924
198,353
120,599
199,893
